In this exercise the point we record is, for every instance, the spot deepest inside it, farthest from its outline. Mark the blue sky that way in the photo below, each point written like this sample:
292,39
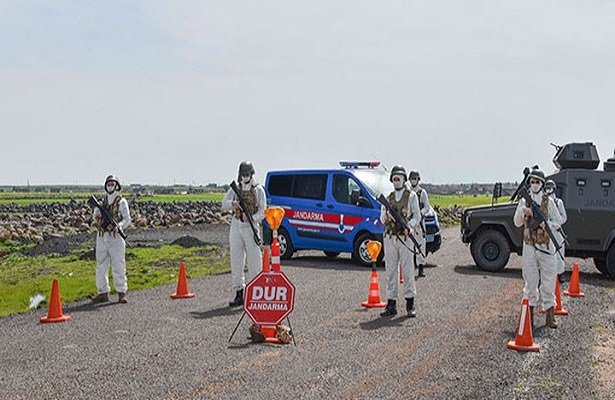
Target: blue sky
169,92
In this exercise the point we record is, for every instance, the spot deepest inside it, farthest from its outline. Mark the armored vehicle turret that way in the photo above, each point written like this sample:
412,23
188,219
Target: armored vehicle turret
589,198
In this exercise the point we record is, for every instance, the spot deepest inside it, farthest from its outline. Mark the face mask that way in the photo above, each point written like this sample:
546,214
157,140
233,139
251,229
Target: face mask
549,191
246,179
414,183
110,187
535,187
398,184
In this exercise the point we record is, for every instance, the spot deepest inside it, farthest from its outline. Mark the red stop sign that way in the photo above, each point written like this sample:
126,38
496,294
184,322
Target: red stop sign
269,298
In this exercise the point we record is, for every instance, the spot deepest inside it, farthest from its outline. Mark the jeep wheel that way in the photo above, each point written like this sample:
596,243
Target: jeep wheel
360,253
286,246
490,250
600,264
332,254
610,261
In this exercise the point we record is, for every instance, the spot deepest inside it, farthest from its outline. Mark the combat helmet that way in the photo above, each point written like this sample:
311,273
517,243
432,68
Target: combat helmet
414,174
549,184
536,174
397,170
114,179
245,168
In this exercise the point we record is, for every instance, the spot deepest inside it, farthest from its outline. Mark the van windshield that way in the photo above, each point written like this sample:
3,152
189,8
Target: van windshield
376,181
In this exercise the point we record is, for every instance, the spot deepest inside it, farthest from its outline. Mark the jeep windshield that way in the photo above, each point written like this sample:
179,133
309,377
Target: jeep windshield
375,181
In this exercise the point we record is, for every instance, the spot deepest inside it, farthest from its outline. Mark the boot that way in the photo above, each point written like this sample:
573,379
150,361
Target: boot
121,297
560,278
390,310
238,300
101,298
410,307
421,271
550,319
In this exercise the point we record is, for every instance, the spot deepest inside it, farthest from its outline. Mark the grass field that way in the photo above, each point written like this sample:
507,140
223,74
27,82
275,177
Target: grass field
32,198
22,278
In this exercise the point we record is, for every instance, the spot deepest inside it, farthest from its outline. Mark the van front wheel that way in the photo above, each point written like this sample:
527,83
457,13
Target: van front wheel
360,253
286,246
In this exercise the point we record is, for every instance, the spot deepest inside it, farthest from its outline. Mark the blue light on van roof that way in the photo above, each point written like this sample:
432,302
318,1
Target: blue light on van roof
357,164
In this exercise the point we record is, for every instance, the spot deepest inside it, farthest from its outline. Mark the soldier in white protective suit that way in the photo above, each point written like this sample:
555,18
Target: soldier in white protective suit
110,246
539,263
414,177
241,237
398,247
559,233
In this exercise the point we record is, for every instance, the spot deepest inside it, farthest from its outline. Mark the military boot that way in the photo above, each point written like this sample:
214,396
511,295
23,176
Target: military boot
121,297
532,315
560,278
238,300
550,319
390,310
101,298
410,307
421,270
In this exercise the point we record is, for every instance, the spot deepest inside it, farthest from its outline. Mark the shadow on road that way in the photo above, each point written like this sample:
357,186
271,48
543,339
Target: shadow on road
384,322
474,270
216,312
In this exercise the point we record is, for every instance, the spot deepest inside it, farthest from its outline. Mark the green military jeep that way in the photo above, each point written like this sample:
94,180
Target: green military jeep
589,198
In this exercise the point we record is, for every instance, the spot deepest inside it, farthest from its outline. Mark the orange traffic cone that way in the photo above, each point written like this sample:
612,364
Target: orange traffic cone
182,284
559,310
54,313
523,340
373,298
266,263
574,289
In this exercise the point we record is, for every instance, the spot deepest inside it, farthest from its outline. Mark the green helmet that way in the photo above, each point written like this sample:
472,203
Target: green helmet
114,179
536,174
549,184
414,174
245,168
398,170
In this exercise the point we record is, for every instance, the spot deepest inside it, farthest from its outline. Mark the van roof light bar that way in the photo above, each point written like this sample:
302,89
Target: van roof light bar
357,164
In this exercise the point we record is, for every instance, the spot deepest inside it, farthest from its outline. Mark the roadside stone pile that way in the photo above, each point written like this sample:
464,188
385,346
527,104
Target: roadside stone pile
449,215
41,221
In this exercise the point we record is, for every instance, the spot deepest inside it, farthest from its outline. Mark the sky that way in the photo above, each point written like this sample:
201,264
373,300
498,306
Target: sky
180,92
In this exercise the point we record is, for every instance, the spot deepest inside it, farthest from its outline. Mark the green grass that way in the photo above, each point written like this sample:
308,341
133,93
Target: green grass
25,199
22,277
465,200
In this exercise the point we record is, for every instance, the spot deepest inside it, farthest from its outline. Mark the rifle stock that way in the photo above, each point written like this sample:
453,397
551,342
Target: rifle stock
244,208
400,222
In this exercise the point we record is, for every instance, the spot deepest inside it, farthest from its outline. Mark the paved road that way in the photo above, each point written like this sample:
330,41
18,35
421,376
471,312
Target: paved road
159,348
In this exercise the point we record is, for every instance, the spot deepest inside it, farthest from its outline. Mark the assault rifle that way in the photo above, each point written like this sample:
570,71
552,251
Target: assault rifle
106,216
246,211
539,217
401,223
526,172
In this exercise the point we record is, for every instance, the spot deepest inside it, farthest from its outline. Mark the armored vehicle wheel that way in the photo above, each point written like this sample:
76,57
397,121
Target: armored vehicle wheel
360,253
610,261
490,250
600,264
332,254
286,245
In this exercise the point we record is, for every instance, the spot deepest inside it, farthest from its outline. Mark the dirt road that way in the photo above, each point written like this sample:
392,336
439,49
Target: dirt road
159,348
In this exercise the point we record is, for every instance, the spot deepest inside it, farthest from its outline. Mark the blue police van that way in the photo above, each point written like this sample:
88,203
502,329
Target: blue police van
335,210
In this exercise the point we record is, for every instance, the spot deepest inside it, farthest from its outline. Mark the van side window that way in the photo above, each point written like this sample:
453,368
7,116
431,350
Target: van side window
310,186
343,186
281,185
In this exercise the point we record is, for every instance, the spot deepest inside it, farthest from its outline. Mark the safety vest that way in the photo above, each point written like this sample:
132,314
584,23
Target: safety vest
402,208
540,235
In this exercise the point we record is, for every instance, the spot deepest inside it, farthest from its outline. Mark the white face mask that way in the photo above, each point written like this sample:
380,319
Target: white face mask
110,187
246,179
414,182
535,188
398,184
549,191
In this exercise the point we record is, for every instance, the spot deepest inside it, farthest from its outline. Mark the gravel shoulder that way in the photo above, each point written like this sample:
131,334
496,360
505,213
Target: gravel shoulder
159,348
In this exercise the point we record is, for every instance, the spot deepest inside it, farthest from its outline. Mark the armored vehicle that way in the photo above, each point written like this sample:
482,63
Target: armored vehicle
589,198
